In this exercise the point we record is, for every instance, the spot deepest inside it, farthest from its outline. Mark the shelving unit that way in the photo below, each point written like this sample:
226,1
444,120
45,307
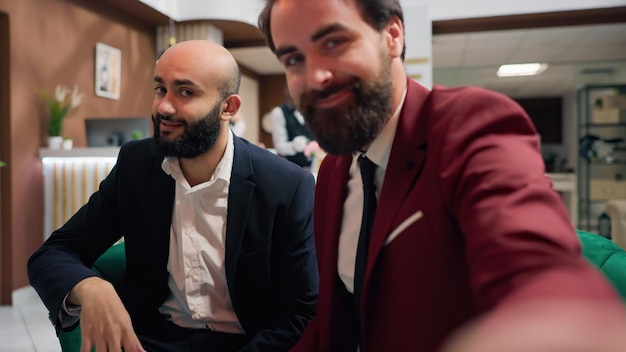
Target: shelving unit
601,176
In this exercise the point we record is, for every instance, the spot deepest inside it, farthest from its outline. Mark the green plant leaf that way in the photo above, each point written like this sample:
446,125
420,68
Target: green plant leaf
57,109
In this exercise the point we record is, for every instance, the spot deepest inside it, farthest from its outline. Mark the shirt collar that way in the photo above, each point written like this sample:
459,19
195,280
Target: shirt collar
223,170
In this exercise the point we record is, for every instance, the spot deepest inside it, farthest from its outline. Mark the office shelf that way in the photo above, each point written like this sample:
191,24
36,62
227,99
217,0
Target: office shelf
600,179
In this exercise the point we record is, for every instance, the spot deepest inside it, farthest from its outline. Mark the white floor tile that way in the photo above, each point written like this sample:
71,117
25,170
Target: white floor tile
24,326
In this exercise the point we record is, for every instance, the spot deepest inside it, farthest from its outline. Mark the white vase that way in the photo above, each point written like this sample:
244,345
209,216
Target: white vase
55,142
68,144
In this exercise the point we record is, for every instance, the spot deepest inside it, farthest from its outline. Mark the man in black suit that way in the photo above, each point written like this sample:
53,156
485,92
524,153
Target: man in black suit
218,232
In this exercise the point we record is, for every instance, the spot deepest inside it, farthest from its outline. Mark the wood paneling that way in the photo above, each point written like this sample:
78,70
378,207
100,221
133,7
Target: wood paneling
6,256
53,42
271,95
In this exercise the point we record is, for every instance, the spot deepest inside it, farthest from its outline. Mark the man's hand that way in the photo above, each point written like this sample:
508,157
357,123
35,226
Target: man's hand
299,143
559,325
104,321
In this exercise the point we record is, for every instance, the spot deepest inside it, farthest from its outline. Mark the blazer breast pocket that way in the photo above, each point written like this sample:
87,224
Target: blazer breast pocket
403,226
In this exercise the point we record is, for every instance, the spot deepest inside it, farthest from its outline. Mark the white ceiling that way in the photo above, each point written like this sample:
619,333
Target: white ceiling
473,58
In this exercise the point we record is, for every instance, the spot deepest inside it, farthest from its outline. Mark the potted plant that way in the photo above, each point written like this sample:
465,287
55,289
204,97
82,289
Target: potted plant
68,143
59,106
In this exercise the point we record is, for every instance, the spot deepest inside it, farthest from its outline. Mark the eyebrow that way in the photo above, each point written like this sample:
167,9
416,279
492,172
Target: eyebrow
177,82
324,31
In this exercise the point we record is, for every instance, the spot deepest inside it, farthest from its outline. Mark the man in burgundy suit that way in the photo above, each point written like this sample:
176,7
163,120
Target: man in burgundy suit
467,224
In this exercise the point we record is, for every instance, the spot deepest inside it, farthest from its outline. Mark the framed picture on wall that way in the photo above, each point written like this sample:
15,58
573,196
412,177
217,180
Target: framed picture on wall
108,71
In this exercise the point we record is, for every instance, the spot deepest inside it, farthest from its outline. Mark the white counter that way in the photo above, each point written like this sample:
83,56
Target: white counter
70,177
565,183
78,152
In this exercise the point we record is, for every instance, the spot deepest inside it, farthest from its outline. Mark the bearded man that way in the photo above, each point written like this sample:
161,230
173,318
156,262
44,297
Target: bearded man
217,231
432,208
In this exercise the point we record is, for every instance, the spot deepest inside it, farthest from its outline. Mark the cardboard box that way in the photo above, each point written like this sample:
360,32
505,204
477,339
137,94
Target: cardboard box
607,189
608,116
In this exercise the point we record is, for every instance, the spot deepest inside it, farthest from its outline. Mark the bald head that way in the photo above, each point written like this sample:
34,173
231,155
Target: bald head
207,59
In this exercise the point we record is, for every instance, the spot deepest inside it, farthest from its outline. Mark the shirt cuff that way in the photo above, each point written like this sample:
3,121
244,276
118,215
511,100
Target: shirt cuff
69,313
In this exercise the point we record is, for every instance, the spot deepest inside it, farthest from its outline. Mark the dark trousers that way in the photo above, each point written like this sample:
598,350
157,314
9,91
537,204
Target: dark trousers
166,336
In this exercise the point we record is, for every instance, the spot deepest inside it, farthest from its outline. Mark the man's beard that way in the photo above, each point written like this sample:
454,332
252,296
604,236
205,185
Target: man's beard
197,139
346,129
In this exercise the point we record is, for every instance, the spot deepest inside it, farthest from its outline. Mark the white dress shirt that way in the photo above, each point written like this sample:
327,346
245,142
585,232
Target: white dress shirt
197,278
196,266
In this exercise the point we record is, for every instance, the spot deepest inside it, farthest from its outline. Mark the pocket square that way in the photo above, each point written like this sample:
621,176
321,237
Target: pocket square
406,223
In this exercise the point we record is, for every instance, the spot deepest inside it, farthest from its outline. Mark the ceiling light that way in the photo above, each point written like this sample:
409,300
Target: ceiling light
516,70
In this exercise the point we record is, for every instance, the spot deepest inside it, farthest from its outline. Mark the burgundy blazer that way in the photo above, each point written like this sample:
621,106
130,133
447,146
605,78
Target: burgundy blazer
466,220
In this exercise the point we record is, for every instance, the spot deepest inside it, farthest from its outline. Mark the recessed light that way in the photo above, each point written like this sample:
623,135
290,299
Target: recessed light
516,70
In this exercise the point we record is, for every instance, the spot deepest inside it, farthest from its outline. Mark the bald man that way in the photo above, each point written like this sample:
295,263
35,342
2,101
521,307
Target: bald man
218,232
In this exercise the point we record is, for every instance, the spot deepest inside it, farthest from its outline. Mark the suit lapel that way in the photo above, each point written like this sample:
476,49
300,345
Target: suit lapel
239,203
161,191
334,195
406,161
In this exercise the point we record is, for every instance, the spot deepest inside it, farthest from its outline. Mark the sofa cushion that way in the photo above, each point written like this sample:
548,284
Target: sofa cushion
607,256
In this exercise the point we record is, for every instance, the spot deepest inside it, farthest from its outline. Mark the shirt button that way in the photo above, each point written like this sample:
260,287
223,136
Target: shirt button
187,195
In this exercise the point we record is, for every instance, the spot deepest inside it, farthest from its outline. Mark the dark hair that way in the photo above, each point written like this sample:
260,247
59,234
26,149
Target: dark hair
230,84
376,13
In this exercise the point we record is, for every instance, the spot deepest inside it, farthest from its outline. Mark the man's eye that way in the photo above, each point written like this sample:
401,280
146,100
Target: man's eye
185,92
332,43
159,90
293,60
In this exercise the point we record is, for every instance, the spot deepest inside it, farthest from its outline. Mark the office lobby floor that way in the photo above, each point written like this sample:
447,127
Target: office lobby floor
24,326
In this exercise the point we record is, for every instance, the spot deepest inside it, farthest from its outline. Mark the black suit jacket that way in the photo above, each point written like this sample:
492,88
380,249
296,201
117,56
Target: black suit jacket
271,268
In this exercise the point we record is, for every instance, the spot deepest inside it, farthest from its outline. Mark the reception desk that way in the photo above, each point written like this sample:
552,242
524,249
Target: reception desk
70,177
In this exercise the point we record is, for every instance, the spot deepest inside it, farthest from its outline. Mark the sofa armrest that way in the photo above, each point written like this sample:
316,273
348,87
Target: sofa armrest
608,257
111,266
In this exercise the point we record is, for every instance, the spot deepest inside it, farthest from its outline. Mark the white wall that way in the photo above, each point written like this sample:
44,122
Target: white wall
249,92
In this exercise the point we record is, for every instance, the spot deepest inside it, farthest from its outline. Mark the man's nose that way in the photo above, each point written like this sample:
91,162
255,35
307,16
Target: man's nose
166,107
319,72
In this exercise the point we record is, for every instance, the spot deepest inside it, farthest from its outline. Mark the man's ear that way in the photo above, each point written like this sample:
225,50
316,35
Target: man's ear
394,32
230,106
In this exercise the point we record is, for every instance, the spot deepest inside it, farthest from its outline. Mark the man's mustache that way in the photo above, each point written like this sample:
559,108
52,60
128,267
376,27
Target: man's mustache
159,117
328,91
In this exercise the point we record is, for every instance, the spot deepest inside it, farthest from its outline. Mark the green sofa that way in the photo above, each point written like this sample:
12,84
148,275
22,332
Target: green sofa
601,252
111,265
608,257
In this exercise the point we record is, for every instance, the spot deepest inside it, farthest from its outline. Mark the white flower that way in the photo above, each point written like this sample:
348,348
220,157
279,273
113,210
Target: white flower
60,92
76,98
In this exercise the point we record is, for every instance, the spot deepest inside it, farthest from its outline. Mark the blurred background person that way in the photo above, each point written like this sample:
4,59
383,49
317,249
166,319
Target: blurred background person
290,133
